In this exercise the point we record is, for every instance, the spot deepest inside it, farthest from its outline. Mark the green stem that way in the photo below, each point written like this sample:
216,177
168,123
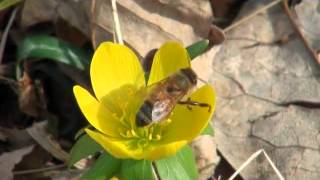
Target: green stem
155,171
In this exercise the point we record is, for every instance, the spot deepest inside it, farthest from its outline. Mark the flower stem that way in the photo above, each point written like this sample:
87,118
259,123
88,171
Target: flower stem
155,171
116,22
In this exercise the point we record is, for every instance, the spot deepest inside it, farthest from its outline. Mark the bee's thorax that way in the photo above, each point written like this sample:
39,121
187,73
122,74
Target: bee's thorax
190,74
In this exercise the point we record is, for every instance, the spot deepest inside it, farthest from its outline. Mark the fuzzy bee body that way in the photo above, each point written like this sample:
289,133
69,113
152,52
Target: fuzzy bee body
162,97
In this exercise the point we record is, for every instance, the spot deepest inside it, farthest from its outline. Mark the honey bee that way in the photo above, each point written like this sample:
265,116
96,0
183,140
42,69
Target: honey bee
162,97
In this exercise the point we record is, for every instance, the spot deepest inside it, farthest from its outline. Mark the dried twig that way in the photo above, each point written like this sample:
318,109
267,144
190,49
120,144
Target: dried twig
93,24
281,41
6,33
253,14
298,31
251,158
116,22
39,170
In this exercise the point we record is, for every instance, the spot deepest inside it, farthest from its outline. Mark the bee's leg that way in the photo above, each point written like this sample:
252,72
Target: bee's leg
186,103
190,103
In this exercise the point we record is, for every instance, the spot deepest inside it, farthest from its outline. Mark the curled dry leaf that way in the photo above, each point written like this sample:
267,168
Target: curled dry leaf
31,97
39,133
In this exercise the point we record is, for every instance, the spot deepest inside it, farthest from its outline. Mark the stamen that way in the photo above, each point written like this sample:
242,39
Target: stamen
146,132
134,134
151,130
124,123
122,133
158,137
129,135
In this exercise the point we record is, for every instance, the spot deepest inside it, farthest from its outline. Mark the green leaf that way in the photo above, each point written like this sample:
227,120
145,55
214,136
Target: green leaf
136,170
48,47
197,48
7,3
180,166
208,130
103,168
84,147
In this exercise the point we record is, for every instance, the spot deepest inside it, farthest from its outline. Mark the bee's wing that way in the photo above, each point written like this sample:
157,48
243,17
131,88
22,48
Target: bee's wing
161,109
146,90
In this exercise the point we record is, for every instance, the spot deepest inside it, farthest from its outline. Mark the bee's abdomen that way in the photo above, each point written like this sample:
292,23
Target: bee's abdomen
144,115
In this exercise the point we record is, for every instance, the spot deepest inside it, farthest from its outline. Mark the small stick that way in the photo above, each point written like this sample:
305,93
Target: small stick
6,33
253,14
93,24
251,158
298,31
116,21
31,171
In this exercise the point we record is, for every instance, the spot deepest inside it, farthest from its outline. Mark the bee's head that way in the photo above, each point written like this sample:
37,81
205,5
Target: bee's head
190,74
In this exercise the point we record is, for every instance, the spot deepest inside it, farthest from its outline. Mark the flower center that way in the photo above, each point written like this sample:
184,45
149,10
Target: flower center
128,104
142,137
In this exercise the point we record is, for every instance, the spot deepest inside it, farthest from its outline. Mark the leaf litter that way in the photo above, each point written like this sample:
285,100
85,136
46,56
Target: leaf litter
44,93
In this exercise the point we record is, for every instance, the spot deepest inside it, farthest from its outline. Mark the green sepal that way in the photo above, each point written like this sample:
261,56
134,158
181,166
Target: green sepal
208,130
180,166
48,47
136,170
84,147
105,167
197,48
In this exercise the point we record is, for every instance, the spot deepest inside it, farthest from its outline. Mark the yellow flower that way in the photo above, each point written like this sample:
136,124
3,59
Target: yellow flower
116,76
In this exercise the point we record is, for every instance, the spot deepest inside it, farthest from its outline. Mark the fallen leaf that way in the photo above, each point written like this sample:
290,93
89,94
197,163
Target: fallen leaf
34,12
39,133
37,159
309,20
10,114
10,159
268,96
30,101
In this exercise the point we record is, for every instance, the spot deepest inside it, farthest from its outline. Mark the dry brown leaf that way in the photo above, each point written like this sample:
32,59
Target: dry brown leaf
34,12
39,133
10,159
268,98
30,101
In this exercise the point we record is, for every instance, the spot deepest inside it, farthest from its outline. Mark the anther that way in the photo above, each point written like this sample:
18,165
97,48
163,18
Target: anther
134,133
129,134
158,137
122,134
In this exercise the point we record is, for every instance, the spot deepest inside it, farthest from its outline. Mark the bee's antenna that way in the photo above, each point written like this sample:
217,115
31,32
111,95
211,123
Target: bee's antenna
203,81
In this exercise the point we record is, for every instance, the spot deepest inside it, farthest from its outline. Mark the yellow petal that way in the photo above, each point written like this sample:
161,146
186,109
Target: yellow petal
113,66
165,150
97,115
187,124
170,58
116,148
